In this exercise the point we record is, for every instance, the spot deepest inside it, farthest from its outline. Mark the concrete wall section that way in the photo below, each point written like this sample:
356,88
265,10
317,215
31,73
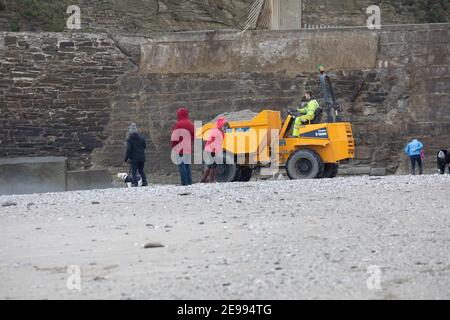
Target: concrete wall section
260,52
32,175
88,180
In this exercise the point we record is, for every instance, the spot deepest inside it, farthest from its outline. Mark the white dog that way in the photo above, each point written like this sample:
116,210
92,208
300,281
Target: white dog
125,177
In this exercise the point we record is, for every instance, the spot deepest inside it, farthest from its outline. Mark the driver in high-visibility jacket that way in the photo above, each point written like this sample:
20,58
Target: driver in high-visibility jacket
307,112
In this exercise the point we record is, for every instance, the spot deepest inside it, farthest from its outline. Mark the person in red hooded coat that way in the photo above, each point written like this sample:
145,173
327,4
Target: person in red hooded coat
182,139
214,149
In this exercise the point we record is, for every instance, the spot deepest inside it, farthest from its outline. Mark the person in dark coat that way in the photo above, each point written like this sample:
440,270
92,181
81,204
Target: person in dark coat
136,155
182,145
443,161
331,105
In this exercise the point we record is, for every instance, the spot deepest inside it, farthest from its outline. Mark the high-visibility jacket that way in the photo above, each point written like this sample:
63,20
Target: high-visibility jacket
307,114
309,111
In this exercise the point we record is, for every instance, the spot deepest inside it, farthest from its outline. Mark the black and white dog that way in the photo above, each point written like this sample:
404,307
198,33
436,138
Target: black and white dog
443,161
125,177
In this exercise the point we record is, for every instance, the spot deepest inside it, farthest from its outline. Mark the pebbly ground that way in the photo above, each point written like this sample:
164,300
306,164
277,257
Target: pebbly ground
310,239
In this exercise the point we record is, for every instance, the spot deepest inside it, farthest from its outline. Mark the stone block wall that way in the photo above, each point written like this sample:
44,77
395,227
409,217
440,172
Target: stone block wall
76,95
55,93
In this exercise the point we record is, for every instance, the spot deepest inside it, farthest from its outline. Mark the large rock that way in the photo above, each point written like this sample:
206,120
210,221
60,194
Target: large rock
378,172
243,115
346,170
88,179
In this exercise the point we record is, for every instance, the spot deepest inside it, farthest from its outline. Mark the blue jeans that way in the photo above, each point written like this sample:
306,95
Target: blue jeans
185,174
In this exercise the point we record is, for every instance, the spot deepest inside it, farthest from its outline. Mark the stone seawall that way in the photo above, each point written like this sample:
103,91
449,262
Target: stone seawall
75,94
55,93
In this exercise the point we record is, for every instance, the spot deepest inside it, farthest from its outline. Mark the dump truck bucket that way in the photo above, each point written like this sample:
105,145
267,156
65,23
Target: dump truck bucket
251,137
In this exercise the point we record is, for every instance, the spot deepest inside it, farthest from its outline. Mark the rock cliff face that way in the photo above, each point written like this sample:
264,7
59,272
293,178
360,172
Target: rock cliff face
75,94
143,16
124,16
353,12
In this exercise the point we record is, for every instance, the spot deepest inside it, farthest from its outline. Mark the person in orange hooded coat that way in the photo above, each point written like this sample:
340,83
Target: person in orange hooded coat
213,148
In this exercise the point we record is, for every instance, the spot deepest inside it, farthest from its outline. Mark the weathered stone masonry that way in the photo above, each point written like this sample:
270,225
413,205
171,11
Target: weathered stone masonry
55,93
75,94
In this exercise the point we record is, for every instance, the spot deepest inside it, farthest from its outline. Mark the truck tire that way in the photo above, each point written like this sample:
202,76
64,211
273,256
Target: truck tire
228,171
304,164
331,170
245,174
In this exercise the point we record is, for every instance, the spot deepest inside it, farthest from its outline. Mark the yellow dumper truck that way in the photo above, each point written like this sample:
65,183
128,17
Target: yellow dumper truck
267,143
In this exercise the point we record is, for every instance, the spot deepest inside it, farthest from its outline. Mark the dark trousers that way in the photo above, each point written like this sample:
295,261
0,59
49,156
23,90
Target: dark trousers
135,167
185,174
416,159
442,164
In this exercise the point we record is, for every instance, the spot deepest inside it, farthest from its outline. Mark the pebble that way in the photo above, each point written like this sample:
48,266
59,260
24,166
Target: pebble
9,204
98,278
151,245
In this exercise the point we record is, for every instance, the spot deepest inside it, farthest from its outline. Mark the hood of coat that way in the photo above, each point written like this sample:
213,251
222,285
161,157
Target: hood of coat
133,128
221,122
183,114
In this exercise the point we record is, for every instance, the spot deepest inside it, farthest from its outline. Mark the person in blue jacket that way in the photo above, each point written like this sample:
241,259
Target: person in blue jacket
414,150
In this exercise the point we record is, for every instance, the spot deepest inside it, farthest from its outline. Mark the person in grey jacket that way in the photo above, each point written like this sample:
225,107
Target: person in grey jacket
331,105
443,161
135,154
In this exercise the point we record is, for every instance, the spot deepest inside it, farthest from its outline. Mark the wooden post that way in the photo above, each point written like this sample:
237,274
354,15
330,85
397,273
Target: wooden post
286,14
275,14
301,14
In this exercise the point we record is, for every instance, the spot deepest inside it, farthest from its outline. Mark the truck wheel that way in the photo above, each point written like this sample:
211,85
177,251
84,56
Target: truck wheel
304,164
245,174
229,171
226,172
331,170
